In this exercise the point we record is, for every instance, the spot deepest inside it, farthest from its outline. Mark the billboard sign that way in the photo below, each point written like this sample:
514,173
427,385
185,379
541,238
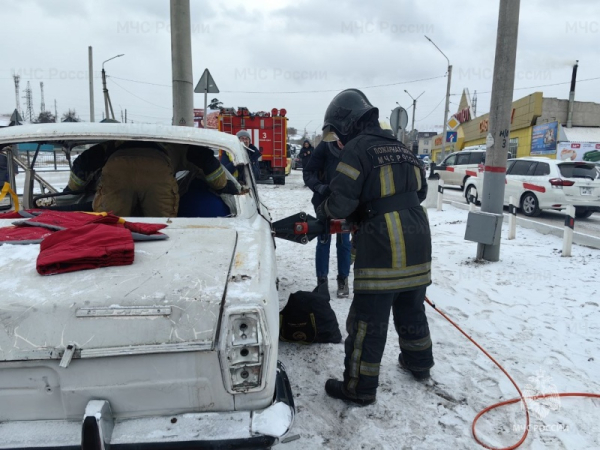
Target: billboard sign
578,151
543,139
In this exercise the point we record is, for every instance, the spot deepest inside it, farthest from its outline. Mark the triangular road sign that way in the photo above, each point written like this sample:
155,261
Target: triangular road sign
206,84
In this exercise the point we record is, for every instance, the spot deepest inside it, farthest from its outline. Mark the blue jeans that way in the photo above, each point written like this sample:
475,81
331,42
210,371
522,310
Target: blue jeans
343,254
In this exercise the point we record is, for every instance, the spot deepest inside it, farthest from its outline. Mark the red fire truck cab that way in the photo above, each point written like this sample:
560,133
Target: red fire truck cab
269,135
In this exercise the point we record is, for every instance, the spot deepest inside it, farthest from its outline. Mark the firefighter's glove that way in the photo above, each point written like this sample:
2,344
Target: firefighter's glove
323,189
230,188
321,214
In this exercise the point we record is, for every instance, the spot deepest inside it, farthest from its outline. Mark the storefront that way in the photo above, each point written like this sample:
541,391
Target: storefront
536,127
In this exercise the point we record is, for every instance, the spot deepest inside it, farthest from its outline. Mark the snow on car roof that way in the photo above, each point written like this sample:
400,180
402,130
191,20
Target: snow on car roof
85,131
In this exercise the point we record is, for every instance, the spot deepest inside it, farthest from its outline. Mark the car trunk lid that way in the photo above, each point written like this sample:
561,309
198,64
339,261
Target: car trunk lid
169,299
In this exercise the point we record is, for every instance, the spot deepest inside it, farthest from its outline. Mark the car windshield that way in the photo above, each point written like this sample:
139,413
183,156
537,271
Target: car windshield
578,170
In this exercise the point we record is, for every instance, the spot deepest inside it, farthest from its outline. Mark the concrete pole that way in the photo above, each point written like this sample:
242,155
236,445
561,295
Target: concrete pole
447,108
91,73
440,198
498,138
105,91
181,63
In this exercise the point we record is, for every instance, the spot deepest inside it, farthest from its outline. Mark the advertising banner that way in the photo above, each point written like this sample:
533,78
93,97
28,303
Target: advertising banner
578,151
213,118
543,139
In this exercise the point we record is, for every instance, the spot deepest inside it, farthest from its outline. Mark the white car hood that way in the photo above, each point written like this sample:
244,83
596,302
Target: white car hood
170,296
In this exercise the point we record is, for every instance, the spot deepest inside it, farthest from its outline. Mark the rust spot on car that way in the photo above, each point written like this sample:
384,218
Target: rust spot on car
239,259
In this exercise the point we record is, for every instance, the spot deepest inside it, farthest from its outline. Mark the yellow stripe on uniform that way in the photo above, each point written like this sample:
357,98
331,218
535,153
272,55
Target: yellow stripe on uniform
418,175
214,175
355,363
347,170
388,285
392,273
394,226
369,369
386,178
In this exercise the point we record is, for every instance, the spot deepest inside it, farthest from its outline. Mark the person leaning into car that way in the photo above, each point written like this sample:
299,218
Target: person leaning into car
138,178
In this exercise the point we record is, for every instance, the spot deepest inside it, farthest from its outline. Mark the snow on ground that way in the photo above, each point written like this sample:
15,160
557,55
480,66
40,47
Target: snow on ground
535,311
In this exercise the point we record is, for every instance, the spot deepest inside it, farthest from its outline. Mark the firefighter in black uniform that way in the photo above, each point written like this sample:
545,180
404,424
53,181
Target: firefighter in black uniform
380,185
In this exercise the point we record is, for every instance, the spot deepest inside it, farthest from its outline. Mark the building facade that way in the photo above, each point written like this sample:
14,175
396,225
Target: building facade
538,128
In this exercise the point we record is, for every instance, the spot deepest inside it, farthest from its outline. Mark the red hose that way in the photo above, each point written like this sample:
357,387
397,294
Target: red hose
507,402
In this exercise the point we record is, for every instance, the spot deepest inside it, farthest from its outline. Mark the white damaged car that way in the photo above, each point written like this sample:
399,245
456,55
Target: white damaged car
177,350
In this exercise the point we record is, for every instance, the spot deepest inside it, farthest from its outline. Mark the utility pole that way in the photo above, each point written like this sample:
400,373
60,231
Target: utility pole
125,115
91,77
181,63
55,112
43,105
107,101
498,138
17,79
29,114
447,108
414,107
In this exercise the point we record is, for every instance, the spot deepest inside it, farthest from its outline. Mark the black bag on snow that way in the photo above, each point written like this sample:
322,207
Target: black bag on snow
308,318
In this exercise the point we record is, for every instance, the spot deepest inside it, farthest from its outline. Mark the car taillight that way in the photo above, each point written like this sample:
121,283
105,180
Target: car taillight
559,182
244,355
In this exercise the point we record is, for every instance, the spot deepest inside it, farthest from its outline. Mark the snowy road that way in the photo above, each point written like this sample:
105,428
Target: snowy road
537,313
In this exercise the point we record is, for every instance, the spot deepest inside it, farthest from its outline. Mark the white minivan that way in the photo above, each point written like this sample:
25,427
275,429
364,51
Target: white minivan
457,167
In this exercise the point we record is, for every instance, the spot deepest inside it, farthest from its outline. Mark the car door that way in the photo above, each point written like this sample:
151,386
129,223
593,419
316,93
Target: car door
516,175
446,169
462,164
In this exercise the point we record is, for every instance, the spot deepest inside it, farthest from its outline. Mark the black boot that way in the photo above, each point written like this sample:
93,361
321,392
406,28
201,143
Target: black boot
321,280
418,374
342,291
335,389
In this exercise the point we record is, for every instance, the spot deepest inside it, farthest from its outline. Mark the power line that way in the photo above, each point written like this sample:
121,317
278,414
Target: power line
293,92
436,107
544,85
136,96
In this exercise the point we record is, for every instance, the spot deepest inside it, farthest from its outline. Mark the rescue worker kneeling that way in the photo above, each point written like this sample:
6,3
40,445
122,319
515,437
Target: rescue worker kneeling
138,178
380,185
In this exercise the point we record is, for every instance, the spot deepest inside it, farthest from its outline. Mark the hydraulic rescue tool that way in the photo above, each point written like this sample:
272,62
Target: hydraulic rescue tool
302,227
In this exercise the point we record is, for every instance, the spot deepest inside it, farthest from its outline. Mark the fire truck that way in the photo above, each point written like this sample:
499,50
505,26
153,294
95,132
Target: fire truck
269,135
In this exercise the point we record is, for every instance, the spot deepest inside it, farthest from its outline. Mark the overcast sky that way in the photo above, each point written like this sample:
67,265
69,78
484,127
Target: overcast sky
295,55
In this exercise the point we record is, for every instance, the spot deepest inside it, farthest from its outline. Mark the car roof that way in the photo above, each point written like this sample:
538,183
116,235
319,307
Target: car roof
83,132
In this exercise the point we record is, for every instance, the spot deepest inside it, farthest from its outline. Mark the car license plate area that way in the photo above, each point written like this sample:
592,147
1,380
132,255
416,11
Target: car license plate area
586,190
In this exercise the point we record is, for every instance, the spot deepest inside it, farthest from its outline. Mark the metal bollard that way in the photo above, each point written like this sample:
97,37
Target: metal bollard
440,199
569,227
512,218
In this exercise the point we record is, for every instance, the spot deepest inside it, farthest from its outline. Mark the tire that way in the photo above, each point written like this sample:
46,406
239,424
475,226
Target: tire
278,180
464,183
530,206
582,213
471,190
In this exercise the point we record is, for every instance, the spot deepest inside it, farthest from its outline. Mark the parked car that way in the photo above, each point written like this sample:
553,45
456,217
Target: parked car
539,183
297,163
457,167
177,350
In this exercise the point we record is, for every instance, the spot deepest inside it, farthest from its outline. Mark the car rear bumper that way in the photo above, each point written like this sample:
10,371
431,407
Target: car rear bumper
100,431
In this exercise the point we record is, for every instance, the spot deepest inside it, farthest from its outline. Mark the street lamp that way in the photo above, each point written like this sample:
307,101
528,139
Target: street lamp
309,122
447,100
107,101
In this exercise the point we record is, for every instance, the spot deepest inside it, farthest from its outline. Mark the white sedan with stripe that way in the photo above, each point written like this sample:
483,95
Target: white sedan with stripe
539,183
